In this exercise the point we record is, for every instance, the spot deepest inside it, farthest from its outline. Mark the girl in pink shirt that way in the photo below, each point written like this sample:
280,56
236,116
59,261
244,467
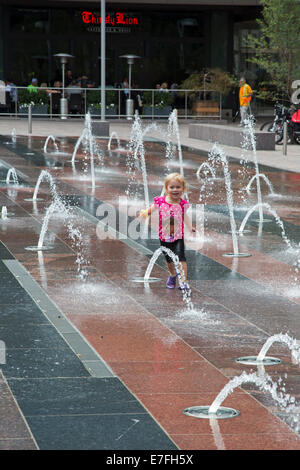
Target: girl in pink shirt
172,218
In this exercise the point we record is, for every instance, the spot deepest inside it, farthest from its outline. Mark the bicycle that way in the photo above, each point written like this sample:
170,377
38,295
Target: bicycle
282,114
278,116
293,133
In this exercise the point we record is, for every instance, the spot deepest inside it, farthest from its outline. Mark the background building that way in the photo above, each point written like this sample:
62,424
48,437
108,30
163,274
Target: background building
173,38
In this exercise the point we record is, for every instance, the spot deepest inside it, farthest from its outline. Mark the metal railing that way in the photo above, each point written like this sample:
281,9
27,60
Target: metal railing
190,104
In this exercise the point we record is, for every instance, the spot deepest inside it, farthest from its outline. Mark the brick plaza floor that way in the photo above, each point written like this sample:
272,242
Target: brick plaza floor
94,361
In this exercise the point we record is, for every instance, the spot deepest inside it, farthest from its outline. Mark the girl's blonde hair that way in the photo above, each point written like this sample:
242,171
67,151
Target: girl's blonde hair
177,177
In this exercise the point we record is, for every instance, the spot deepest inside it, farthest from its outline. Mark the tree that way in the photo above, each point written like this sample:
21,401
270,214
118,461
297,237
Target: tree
277,48
210,80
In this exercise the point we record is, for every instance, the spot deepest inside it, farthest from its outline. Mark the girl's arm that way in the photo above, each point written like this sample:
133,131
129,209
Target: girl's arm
188,223
147,212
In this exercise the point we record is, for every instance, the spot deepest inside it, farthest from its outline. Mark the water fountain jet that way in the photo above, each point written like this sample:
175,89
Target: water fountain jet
250,129
273,213
136,146
217,411
209,167
114,135
218,153
186,291
50,137
174,128
12,172
263,176
4,213
261,358
44,175
40,246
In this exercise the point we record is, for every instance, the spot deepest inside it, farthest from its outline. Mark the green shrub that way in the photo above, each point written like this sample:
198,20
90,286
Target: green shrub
94,98
26,97
161,98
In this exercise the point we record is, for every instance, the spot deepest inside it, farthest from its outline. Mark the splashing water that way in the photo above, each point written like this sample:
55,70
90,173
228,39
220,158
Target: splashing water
90,137
45,175
55,206
173,129
50,137
91,146
273,213
209,168
12,172
264,177
83,135
218,153
249,128
186,291
77,241
4,213
137,149
282,338
74,233
285,401
114,135
14,135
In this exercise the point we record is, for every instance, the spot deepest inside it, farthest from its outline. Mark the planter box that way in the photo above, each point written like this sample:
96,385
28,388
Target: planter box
111,111
36,110
206,108
159,112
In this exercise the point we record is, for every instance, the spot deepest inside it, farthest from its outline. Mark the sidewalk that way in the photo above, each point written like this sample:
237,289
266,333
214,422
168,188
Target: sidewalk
73,128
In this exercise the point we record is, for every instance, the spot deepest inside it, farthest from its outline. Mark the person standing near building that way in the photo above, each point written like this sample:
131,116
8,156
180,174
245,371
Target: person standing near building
245,95
124,95
33,87
13,91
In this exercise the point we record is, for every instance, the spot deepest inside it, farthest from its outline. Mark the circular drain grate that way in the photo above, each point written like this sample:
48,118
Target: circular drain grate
240,233
36,248
9,214
252,361
263,221
238,255
202,412
143,280
31,199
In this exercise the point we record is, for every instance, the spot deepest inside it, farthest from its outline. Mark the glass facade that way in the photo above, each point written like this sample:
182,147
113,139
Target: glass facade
171,42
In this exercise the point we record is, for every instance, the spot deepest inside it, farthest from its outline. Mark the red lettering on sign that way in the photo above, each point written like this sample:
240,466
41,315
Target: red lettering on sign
119,19
86,16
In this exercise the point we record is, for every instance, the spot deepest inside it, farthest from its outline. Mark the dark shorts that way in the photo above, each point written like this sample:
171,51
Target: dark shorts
177,247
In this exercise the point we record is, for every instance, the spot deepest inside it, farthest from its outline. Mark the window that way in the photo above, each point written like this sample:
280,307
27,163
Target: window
29,21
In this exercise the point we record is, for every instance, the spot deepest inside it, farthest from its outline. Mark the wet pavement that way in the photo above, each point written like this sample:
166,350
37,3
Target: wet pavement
94,361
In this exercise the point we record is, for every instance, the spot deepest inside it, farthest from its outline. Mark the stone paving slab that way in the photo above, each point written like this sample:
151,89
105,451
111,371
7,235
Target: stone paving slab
73,128
15,433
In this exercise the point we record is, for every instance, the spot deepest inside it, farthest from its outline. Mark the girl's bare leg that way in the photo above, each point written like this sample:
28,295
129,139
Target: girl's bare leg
172,269
184,265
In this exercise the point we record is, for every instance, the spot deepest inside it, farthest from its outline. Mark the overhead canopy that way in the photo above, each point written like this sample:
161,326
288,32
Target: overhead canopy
136,3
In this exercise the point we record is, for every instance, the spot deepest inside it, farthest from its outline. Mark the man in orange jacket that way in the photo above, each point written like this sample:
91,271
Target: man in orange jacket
245,95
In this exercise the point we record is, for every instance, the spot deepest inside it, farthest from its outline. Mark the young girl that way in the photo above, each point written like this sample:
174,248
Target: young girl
172,218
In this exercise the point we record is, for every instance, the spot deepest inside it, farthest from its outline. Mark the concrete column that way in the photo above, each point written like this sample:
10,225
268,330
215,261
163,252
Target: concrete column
220,40
1,44
221,49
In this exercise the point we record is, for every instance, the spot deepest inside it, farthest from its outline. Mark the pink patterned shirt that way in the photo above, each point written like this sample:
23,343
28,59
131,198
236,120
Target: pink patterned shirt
171,218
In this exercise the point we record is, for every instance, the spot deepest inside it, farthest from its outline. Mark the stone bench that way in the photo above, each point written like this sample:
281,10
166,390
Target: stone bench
100,128
230,135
